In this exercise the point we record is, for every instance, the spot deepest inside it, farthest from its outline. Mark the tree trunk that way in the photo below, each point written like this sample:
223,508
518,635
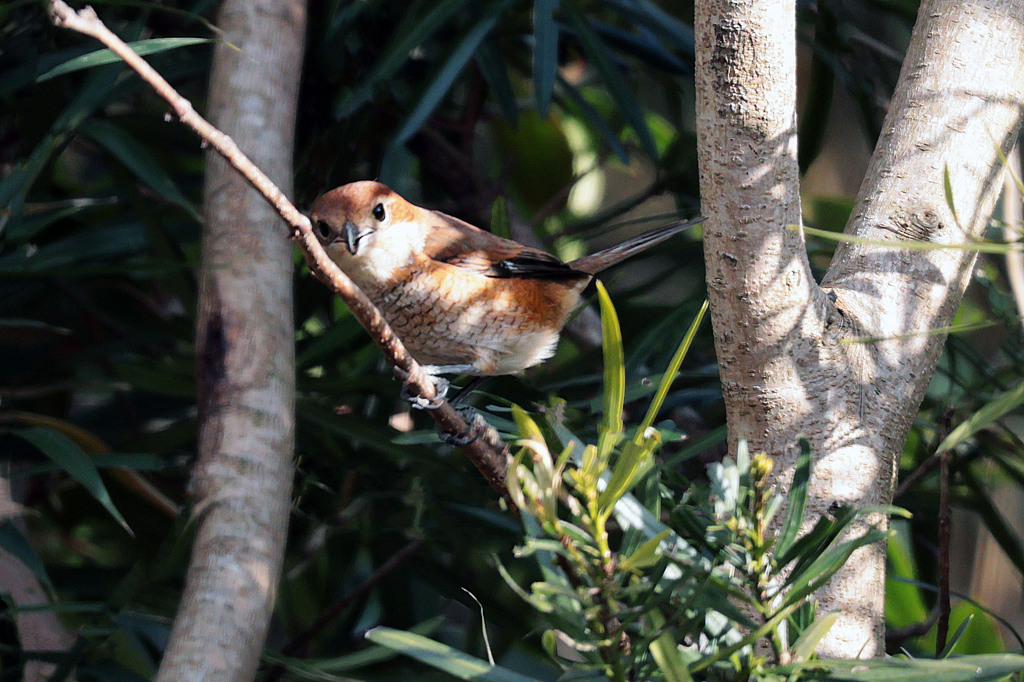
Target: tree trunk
245,354
36,630
793,355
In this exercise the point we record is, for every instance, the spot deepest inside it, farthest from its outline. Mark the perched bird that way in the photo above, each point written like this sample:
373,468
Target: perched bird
463,300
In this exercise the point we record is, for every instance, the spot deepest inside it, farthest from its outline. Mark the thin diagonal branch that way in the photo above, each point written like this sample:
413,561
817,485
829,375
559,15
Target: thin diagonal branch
487,452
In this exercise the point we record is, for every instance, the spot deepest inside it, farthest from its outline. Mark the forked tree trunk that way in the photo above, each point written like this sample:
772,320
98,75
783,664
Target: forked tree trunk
245,354
790,357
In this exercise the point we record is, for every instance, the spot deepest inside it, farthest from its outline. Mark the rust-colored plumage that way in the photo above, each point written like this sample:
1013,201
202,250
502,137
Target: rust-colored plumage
461,299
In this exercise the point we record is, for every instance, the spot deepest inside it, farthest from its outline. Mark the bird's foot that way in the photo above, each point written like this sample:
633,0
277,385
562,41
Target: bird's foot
476,425
417,401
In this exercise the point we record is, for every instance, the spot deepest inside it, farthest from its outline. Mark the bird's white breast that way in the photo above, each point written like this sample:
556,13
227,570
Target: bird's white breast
383,253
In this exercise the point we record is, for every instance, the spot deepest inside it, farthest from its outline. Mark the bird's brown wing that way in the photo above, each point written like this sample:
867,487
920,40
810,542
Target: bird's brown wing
460,244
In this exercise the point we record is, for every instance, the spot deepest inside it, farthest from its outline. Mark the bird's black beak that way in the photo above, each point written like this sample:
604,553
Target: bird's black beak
351,234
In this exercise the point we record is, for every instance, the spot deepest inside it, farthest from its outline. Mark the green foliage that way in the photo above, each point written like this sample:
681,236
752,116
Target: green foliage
443,657
453,103
703,588
990,412
99,243
982,667
684,600
105,56
66,454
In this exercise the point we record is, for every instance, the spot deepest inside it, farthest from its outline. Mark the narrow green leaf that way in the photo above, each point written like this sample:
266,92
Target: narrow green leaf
16,544
614,374
660,22
80,249
443,657
493,69
956,636
549,641
575,533
824,531
397,53
947,185
632,515
968,605
646,554
990,412
66,454
499,218
535,545
138,461
614,79
515,490
324,669
825,566
696,446
139,161
797,499
982,636
48,213
588,462
666,655
23,326
914,245
528,428
545,52
633,463
904,602
95,91
445,78
539,605
645,46
1008,167
105,56
555,590
366,657
957,669
803,648
726,652
672,370
593,117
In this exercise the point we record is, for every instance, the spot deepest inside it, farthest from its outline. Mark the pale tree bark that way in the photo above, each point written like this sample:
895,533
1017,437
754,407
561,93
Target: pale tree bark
792,354
37,630
245,354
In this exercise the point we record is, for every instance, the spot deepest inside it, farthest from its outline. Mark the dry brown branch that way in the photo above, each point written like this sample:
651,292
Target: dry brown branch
487,452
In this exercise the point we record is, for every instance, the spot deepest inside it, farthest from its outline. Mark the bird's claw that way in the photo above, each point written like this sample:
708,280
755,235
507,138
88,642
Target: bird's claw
476,426
418,401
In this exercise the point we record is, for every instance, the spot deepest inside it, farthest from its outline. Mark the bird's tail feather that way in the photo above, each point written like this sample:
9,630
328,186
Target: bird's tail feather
597,262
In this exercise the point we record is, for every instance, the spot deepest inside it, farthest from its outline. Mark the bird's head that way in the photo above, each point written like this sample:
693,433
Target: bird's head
360,216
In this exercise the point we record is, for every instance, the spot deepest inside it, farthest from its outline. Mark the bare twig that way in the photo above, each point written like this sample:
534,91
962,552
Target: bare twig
486,452
894,638
942,629
933,460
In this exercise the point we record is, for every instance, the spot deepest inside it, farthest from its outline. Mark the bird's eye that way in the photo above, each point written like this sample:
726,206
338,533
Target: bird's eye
378,212
322,229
